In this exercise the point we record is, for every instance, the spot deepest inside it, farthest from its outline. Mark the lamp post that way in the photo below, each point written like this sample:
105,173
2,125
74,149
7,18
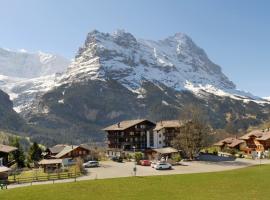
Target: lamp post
135,168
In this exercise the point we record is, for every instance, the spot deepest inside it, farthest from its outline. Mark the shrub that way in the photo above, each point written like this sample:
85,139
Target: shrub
138,156
176,157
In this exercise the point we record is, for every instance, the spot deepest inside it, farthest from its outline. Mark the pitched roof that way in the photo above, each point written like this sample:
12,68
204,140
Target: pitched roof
7,149
50,161
57,148
4,169
65,151
168,124
255,133
165,150
123,125
231,142
265,136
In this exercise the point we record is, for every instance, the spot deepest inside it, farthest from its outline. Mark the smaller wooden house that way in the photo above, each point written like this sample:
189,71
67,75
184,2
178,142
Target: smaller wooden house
51,165
5,152
4,173
62,151
231,143
158,153
257,141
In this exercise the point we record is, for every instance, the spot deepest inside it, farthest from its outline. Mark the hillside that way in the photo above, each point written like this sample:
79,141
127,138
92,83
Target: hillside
9,119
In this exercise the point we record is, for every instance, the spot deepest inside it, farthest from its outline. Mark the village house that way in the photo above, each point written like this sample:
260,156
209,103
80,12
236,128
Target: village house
257,141
63,155
62,151
5,160
127,135
5,152
231,143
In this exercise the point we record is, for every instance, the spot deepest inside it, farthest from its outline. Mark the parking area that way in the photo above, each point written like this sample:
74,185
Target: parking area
110,169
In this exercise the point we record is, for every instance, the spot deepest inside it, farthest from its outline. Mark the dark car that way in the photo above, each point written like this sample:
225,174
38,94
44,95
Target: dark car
117,159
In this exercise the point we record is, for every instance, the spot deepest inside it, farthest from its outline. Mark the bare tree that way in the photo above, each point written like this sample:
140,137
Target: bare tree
193,135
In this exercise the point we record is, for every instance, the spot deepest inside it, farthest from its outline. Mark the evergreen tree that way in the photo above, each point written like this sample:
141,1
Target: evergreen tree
35,153
18,155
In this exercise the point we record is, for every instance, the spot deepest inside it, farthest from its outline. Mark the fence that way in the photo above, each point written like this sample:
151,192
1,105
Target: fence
48,177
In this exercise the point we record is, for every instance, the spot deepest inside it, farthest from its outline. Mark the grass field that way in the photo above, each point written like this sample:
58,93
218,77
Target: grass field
248,183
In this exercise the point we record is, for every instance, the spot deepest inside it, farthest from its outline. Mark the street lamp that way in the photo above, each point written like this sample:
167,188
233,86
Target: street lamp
135,168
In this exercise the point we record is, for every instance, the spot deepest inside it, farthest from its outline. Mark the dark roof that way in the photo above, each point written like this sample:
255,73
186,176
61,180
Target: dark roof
7,149
123,125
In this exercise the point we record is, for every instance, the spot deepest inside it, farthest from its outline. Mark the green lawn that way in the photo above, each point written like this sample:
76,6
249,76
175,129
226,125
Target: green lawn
249,183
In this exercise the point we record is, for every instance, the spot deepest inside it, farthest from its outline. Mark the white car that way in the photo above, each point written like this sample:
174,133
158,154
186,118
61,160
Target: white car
91,164
159,166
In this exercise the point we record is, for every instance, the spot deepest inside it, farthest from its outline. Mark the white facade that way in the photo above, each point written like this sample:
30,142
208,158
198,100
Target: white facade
158,139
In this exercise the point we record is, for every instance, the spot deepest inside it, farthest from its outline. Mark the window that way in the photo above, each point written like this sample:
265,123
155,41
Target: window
159,135
143,126
131,133
159,142
151,139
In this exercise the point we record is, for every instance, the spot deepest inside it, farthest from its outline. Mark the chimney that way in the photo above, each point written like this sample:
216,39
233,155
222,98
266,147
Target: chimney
118,124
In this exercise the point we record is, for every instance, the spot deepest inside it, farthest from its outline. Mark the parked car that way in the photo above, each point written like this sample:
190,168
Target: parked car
153,164
91,164
117,159
162,165
145,162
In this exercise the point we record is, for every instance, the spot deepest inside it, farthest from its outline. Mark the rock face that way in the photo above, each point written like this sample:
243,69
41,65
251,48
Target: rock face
116,77
9,119
175,62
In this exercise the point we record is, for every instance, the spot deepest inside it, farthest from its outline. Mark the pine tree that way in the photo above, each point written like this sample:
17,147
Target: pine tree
35,153
18,155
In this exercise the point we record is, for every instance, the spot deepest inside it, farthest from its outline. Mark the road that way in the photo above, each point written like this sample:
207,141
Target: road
110,169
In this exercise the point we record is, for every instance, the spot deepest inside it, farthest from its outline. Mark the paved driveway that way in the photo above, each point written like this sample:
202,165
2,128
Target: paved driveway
110,169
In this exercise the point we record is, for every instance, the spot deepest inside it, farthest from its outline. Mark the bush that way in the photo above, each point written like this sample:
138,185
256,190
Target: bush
176,157
138,156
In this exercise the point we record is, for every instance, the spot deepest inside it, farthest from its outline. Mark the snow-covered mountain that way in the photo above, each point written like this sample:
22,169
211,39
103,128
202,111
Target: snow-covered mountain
176,62
30,65
117,76
25,76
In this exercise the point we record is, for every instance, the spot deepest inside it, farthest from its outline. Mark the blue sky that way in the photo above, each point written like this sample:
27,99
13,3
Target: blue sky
234,33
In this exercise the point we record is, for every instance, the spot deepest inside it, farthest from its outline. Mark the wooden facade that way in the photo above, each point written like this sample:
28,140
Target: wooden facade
257,140
5,152
67,151
128,134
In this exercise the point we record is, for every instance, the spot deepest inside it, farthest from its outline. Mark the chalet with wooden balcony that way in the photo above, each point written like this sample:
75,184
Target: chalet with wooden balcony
257,140
231,143
125,135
